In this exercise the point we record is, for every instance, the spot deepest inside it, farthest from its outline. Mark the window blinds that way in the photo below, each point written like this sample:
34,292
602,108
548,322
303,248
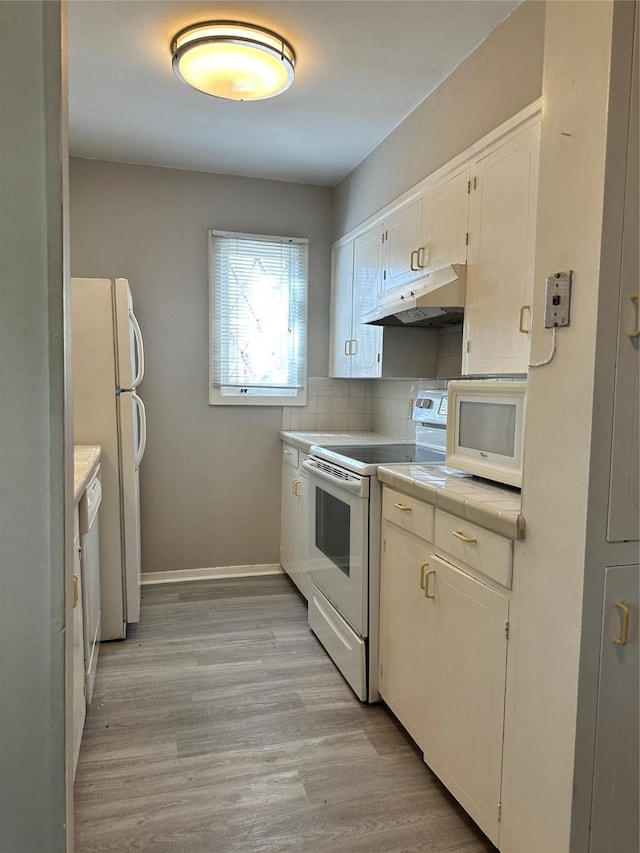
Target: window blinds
258,311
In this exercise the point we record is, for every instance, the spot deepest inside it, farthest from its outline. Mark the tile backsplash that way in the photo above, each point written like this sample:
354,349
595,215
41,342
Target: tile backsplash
393,405
381,405
332,404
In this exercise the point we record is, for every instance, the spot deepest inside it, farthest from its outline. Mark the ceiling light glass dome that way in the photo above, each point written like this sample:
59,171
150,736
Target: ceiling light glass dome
232,60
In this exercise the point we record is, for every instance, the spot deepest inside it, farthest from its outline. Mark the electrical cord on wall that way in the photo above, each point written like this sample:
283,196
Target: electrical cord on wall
552,353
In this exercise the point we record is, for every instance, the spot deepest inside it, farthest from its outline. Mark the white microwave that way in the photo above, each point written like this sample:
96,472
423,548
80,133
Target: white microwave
485,429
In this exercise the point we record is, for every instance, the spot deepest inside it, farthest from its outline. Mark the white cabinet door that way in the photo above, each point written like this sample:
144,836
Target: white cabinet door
404,628
366,347
341,310
465,696
616,791
288,507
502,219
299,567
294,521
624,503
79,701
402,246
446,216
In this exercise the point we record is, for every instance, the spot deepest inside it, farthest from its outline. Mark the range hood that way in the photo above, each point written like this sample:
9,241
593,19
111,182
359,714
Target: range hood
437,300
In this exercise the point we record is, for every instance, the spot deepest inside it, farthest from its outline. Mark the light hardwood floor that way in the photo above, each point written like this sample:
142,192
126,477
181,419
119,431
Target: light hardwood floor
220,725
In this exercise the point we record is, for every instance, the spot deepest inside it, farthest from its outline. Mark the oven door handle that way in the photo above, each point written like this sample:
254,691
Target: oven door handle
350,485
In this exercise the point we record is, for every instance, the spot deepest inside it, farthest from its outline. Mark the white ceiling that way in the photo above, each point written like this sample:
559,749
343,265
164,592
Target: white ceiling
362,66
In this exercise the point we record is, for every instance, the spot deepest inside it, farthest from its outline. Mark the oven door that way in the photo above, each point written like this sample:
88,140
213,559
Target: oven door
339,539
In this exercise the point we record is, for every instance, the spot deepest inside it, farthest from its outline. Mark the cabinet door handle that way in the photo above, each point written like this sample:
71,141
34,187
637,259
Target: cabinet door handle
426,583
75,591
346,347
624,634
423,568
421,257
354,348
521,327
636,332
460,535
414,259
293,486
403,507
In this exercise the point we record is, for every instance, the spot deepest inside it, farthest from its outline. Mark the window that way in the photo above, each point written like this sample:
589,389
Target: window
258,320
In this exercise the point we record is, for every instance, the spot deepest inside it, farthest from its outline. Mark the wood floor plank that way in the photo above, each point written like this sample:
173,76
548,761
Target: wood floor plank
221,726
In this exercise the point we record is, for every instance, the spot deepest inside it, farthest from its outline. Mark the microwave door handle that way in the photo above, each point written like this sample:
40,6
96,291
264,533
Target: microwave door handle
142,412
137,333
350,485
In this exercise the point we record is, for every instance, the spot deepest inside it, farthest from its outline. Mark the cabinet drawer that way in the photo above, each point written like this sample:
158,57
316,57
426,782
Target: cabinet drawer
483,550
408,513
290,455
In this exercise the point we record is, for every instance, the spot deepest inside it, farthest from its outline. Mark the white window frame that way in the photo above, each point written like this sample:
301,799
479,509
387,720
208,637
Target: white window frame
253,396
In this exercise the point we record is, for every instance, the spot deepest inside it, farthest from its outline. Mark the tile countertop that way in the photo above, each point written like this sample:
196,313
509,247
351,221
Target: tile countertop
495,507
305,440
86,458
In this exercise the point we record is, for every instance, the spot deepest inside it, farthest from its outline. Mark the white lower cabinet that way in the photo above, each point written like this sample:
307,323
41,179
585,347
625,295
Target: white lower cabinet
466,690
443,658
294,524
616,788
404,646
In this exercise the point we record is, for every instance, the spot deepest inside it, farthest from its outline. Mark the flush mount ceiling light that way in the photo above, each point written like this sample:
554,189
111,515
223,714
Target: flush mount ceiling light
232,60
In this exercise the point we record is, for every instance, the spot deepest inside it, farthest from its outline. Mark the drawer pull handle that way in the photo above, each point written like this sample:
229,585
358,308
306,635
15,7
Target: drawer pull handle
426,584
636,332
622,640
521,326
460,535
423,568
403,507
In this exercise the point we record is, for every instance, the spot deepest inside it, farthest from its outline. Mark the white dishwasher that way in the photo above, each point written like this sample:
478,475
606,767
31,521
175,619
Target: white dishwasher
90,568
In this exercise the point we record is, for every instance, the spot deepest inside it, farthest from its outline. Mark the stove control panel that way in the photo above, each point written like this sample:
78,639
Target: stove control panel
430,407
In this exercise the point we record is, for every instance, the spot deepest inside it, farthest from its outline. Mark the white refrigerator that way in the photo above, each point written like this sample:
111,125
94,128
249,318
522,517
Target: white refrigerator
108,366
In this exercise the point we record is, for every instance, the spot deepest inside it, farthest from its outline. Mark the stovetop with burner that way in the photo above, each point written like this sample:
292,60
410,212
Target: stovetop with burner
388,454
430,415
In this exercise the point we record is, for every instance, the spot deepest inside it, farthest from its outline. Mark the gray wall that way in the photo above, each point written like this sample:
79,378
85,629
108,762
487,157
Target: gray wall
210,479
502,76
36,501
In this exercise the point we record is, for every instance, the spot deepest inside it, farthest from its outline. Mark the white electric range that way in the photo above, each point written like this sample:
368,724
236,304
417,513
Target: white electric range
345,509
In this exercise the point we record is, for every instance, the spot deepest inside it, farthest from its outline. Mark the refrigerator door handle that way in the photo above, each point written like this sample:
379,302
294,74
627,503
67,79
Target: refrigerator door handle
139,350
143,428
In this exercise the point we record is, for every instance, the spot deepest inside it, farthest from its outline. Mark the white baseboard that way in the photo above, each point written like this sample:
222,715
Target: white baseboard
210,574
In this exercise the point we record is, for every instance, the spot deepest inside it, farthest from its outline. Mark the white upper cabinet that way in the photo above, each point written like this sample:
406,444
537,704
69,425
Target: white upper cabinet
426,233
403,249
354,347
366,345
502,219
341,309
478,210
445,218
